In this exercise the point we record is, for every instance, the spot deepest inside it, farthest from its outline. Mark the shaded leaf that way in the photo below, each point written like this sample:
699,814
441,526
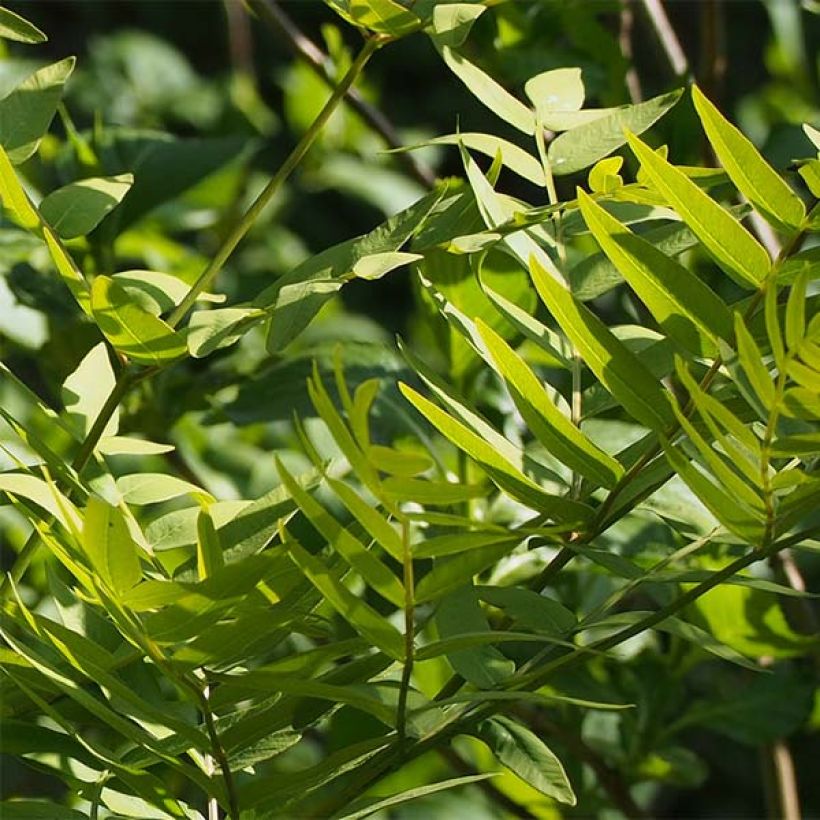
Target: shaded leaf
76,209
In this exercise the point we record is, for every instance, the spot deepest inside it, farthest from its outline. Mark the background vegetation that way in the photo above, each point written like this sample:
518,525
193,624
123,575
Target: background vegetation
202,102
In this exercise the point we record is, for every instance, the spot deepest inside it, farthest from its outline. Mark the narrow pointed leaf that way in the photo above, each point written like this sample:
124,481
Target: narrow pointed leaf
585,145
685,307
372,570
752,175
550,426
14,27
488,91
736,251
365,620
620,371
527,756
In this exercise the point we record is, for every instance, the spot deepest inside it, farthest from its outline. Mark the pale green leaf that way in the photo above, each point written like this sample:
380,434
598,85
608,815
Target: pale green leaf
377,265
210,330
751,361
86,390
209,556
45,496
371,569
127,446
26,113
109,546
488,91
383,16
550,426
133,331
620,371
371,805
452,22
76,209
687,309
14,27
586,144
731,245
560,89
747,169
15,199
364,619
527,756
151,488
398,462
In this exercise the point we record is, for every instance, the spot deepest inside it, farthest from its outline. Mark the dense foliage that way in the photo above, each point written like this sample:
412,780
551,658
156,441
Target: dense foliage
548,554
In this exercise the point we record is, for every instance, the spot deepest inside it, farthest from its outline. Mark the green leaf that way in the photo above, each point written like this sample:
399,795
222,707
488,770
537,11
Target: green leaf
68,270
383,16
451,22
432,493
731,245
363,618
752,175
489,92
561,89
453,572
76,209
620,371
210,330
151,488
44,495
297,297
687,309
26,113
86,390
527,756
14,27
377,265
370,805
527,607
371,569
501,469
550,426
209,556
751,360
25,809
133,331
585,145
109,546
512,156
459,614
400,463
15,199
374,523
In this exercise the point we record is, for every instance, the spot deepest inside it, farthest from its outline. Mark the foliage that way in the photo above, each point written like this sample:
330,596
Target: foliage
523,554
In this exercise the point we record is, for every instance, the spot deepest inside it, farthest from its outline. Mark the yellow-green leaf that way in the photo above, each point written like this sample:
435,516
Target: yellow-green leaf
731,245
133,331
109,546
752,175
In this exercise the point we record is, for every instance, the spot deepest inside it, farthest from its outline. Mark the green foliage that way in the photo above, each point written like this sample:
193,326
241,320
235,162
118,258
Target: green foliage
264,563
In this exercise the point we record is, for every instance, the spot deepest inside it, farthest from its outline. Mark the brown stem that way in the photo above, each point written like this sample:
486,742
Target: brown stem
780,783
627,25
273,16
666,37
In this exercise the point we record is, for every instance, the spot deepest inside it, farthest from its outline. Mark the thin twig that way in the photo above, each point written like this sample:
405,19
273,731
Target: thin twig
272,15
271,189
627,25
780,782
667,37
409,629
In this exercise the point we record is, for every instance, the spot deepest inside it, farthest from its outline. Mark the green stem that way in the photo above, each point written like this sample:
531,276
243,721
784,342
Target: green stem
285,170
409,630
123,384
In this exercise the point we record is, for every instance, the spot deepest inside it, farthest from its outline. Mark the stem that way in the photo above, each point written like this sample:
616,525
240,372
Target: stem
627,25
124,382
274,16
219,754
409,630
667,37
285,170
779,781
